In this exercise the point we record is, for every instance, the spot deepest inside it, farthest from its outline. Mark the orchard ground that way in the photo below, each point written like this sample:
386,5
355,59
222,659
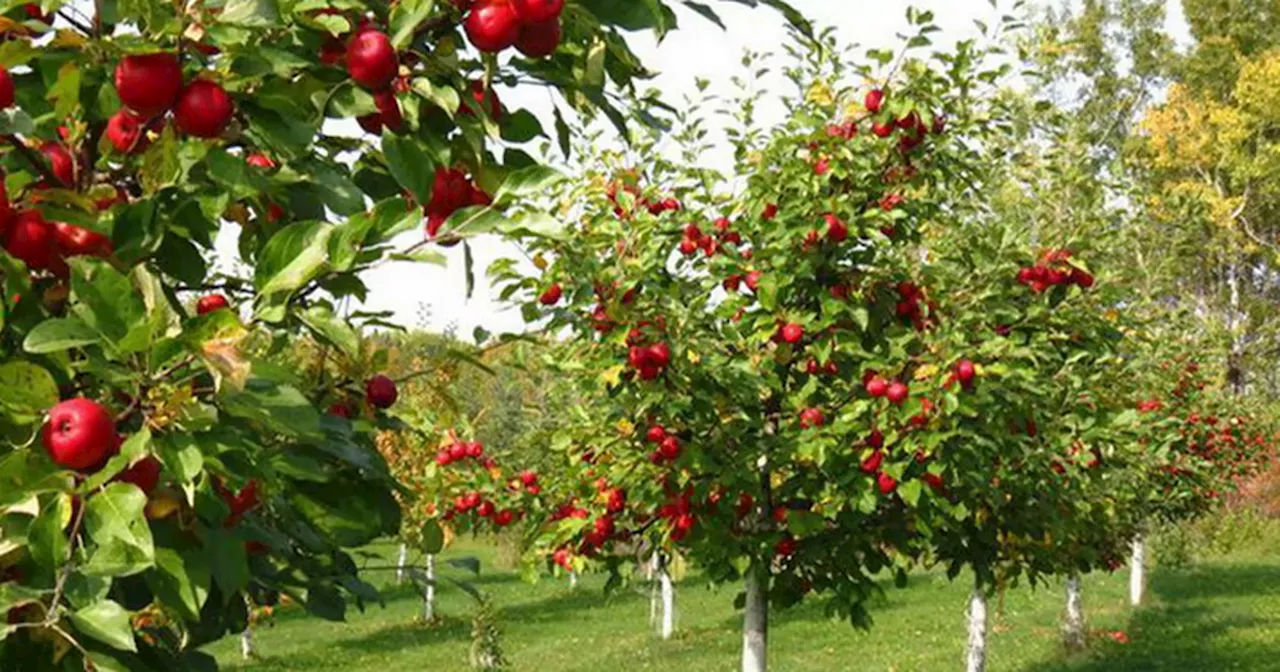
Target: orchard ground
1220,614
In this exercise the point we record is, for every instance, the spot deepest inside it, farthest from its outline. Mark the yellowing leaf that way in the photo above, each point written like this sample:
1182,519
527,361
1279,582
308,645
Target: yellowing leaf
694,357
612,375
926,372
626,427
820,93
540,262
68,38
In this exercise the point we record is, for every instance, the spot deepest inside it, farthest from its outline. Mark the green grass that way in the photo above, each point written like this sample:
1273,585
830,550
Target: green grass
1221,615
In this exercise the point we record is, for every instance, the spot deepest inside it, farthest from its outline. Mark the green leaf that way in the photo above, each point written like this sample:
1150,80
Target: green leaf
331,329
65,92
228,561
114,520
27,388
520,126
133,448
281,407
410,165
250,13
347,101
432,537
13,119
57,334
444,97
347,516
528,182
106,622
108,302
326,602
910,491
46,540
180,582
293,257
406,15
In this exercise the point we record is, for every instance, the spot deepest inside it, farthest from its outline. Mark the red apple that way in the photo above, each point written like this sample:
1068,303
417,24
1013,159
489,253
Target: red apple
210,303
837,231
61,163
371,123
872,463
492,25
260,160
874,100
144,473
792,332
126,132
389,110
6,88
897,392
75,241
670,448
30,238
503,518
656,434
965,372
886,483
812,417
381,391
204,109
552,295
529,478
79,433
371,59
537,11
539,40
149,84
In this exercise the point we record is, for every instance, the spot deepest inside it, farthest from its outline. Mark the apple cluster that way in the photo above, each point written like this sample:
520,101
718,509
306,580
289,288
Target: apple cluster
1053,269
451,191
150,86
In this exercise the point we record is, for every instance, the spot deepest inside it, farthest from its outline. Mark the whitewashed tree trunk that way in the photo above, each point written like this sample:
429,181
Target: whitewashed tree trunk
976,654
655,598
755,623
668,601
429,591
1137,570
247,648
404,558
573,580
1073,631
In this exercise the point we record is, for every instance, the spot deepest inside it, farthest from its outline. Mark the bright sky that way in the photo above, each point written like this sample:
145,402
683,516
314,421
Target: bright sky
697,49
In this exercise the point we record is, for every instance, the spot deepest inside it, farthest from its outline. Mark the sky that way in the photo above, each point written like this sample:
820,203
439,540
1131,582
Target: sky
433,297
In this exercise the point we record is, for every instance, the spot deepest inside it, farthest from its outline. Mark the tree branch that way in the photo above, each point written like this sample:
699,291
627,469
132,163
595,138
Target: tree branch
35,159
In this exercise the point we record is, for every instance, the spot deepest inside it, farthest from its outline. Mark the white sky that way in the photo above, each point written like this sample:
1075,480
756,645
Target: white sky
697,49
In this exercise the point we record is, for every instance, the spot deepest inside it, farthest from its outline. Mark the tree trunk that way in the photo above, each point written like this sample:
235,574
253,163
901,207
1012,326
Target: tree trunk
247,649
655,601
404,558
429,591
755,621
1137,570
1073,632
668,600
573,580
976,654
1235,356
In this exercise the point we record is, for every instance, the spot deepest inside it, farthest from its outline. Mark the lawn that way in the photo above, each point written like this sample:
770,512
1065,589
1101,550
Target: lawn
1223,614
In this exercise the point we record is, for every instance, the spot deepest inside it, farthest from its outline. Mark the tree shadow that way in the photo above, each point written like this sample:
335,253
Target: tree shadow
553,607
1185,628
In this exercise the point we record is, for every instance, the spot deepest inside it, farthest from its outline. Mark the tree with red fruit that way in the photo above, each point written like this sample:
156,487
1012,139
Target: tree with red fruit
134,139
736,451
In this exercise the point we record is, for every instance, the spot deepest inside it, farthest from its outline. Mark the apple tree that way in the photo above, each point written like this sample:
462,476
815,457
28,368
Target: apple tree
744,349
164,453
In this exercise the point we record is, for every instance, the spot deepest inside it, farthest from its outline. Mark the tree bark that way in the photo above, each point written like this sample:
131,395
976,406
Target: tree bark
755,621
655,600
976,653
573,580
429,591
1073,631
404,558
1137,570
668,600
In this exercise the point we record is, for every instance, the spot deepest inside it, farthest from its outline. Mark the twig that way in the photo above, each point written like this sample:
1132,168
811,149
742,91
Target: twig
76,24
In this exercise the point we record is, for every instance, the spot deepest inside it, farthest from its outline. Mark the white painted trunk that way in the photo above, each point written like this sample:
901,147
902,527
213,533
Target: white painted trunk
976,654
1073,631
573,580
404,558
668,602
247,648
655,598
1137,570
755,623
429,591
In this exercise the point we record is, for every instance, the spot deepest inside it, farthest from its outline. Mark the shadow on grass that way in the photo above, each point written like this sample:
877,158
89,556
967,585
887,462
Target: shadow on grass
386,640
1201,623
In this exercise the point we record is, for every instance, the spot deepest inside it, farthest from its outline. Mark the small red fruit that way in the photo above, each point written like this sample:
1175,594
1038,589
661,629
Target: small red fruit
492,25
792,332
204,109
812,417
79,434
125,131
30,238
210,303
149,84
61,164
874,100
371,59
877,386
897,392
74,241
871,464
670,448
381,391
965,372
388,110
537,11
656,434
539,40
886,483
837,231
144,473
6,88
529,478
552,295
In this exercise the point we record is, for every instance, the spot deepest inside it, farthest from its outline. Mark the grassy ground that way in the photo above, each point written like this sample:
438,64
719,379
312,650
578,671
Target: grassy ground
1221,615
